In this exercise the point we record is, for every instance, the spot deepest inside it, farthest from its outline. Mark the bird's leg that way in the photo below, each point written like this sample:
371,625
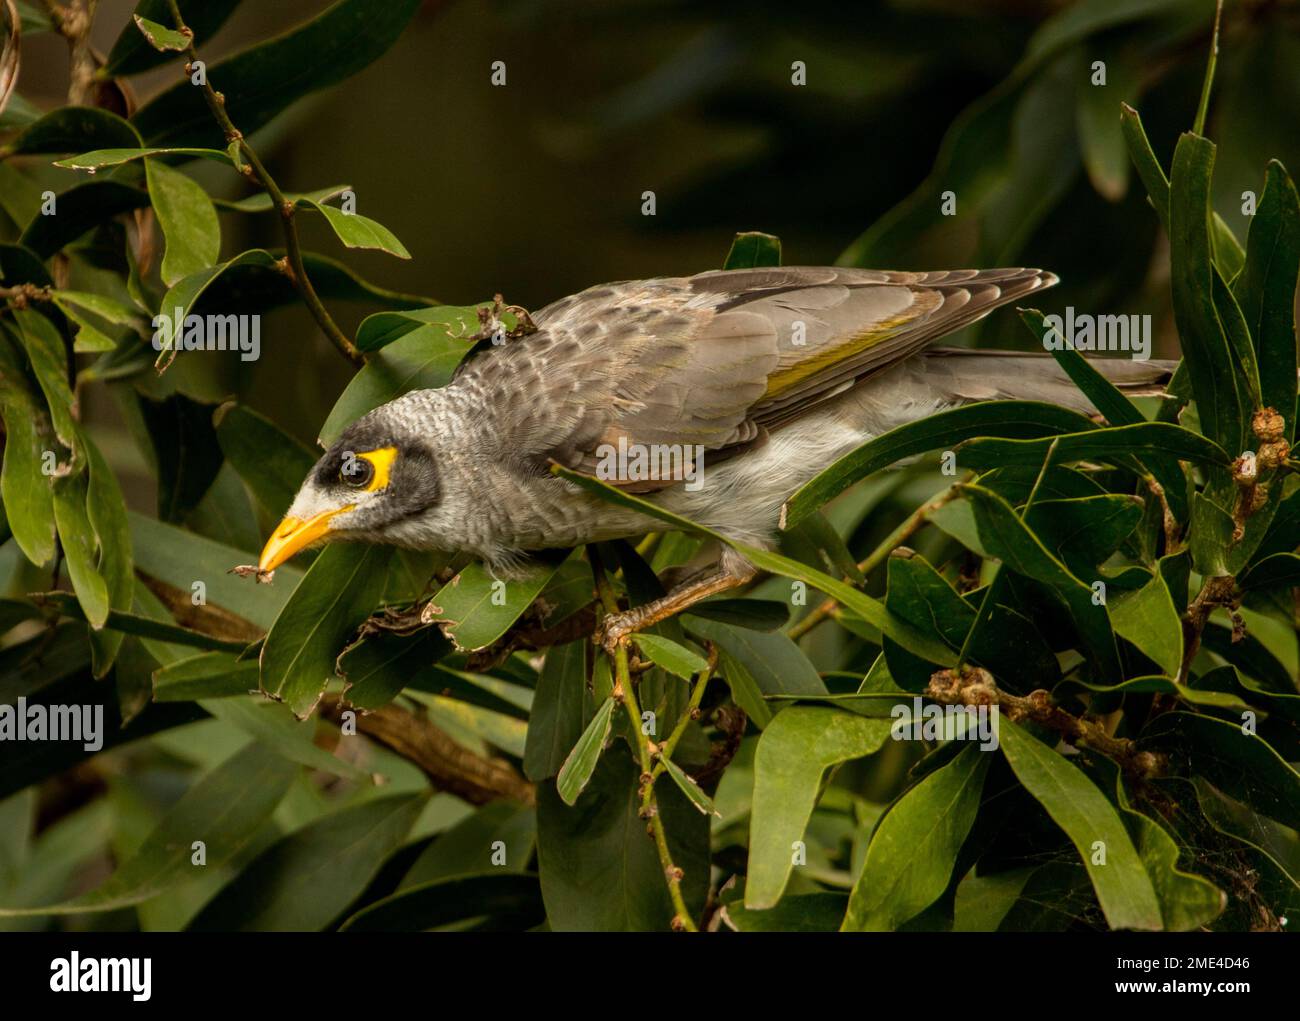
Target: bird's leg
730,571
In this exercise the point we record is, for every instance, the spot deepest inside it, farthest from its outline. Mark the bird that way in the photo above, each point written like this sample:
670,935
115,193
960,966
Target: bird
715,396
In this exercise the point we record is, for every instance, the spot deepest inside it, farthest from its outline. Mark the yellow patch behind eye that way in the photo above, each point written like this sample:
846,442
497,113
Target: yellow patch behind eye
382,460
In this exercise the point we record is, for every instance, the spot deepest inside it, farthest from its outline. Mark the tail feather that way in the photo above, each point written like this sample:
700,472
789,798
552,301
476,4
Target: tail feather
973,375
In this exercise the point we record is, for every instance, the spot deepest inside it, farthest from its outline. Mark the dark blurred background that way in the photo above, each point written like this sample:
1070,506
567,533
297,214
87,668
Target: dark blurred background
535,189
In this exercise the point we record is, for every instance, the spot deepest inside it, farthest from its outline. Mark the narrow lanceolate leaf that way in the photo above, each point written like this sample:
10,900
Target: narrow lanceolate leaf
753,248
911,856
336,594
795,751
581,761
80,552
194,564
870,610
1118,410
24,487
357,231
511,900
188,220
1120,441
1266,290
209,675
72,129
1243,765
694,793
475,609
1008,539
675,658
1122,885
305,881
49,364
1220,400
223,809
101,158
1012,419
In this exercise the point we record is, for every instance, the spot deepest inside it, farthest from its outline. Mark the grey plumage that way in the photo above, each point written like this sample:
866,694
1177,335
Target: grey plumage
774,372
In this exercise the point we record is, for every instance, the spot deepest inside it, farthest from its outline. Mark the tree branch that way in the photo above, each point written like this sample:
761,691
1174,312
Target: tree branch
295,269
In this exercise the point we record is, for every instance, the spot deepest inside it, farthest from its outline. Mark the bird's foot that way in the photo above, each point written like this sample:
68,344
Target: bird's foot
616,627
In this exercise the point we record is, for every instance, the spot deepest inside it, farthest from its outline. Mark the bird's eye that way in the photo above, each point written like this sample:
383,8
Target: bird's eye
356,472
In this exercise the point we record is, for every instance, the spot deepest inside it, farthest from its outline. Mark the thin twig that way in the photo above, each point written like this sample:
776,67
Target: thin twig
295,269
625,692
910,525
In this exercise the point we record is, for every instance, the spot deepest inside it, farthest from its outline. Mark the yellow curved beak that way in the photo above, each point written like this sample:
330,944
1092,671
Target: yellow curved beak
293,535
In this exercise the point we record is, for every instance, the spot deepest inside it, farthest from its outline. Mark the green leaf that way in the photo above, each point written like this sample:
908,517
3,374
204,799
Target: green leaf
942,431
101,158
270,461
1281,570
209,676
501,836
599,871
512,900
306,880
1075,804
1147,617
1187,902
424,359
80,553
556,720
1220,400
132,53
45,351
1266,289
578,767
260,82
690,788
753,248
793,754
335,596
1242,765
475,609
1008,539
25,489
71,129
144,627
159,36
378,668
188,220
914,847
777,665
223,809
184,295
809,912
357,231
750,614
1118,441
676,659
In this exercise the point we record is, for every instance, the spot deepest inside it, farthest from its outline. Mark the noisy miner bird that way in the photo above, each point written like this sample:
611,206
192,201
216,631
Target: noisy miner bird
772,373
